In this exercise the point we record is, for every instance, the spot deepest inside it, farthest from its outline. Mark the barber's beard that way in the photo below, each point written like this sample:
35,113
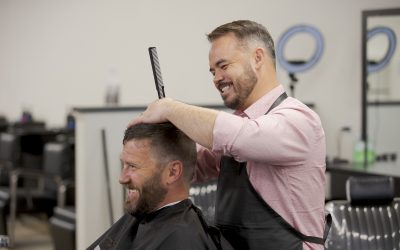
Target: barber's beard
151,194
243,87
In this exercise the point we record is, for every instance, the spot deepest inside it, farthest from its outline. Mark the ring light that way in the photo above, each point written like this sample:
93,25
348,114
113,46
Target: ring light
371,68
299,67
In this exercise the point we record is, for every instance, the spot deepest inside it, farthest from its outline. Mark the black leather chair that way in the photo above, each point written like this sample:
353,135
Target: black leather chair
8,159
63,221
8,156
39,191
368,219
3,124
63,228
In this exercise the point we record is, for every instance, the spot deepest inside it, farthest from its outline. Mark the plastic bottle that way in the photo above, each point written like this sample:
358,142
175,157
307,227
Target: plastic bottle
359,153
112,88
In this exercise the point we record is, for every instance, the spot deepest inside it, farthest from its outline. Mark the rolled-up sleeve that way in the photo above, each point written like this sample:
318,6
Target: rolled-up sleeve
284,136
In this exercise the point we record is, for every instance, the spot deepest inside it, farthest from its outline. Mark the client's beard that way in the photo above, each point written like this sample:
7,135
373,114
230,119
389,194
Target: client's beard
151,194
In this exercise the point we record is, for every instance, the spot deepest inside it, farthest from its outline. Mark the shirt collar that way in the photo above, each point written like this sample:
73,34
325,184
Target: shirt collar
262,105
169,204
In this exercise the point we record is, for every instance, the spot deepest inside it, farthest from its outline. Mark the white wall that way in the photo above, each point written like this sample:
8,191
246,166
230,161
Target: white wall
55,55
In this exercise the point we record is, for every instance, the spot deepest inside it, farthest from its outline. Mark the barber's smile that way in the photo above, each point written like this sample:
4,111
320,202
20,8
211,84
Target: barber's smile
224,87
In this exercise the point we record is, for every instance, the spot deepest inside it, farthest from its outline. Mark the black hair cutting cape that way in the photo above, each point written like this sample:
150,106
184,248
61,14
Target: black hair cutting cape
180,226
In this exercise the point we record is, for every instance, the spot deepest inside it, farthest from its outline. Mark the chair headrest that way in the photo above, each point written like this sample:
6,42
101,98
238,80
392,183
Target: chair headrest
370,190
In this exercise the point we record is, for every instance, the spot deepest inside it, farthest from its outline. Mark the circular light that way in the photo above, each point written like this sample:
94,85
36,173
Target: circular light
296,67
371,68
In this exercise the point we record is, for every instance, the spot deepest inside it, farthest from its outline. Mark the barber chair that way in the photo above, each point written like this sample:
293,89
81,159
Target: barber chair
203,195
63,221
3,124
368,219
8,159
63,228
38,193
8,156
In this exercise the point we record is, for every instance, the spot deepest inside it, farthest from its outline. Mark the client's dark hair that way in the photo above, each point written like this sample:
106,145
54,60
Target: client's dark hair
168,143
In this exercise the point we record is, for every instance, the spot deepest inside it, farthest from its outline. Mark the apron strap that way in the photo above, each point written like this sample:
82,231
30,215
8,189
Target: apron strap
314,239
278,101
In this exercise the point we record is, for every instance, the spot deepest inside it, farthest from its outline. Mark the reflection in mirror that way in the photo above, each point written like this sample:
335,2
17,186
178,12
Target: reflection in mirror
381,85
383,58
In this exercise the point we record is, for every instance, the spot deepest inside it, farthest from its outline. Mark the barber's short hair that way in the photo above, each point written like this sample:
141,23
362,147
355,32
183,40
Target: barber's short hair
245,31
168,143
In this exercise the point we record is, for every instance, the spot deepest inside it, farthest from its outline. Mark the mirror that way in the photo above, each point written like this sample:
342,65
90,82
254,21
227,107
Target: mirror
383,57
381,84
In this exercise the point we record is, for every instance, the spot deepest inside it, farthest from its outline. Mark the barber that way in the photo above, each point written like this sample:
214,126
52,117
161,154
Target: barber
269,155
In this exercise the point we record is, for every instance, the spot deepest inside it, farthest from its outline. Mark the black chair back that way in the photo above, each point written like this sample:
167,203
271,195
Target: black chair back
368,219
8,156
57,163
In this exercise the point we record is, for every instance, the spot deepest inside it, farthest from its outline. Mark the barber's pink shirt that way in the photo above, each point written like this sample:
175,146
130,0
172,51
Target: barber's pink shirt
285,155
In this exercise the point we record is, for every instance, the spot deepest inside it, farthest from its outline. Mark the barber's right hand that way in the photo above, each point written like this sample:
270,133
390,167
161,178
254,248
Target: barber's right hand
156,112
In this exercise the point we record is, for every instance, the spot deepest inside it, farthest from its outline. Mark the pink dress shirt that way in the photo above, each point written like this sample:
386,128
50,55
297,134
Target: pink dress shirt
285,154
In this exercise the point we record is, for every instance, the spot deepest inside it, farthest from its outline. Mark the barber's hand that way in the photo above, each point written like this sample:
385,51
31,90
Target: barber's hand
155,113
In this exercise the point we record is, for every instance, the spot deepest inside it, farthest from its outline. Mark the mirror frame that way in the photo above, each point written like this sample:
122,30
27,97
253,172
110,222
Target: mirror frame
364,88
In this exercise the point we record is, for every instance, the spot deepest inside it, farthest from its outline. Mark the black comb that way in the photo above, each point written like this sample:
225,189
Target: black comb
155,65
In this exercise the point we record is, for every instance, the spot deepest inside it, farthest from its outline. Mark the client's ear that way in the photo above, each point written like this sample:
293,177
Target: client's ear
174,171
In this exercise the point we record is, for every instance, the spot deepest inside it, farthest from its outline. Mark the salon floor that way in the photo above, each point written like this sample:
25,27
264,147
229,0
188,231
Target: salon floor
32,233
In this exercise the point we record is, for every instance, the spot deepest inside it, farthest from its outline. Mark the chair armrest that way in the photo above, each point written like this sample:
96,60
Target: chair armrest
34,173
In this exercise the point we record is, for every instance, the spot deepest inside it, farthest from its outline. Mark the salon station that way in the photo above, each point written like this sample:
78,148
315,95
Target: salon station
74,74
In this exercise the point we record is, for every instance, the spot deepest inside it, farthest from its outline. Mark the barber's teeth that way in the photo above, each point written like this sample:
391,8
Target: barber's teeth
225,88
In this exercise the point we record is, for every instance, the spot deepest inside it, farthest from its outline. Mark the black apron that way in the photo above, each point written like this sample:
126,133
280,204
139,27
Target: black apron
244,218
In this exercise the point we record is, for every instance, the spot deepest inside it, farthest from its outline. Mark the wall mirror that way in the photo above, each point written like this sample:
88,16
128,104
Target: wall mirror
381,84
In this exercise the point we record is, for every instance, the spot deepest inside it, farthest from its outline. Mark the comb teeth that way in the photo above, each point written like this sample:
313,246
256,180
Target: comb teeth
157,72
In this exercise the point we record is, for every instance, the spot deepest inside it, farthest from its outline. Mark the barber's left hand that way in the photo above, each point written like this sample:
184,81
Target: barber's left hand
155,113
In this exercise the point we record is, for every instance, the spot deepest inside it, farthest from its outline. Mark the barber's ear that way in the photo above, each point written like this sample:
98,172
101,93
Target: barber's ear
259,57
174,171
